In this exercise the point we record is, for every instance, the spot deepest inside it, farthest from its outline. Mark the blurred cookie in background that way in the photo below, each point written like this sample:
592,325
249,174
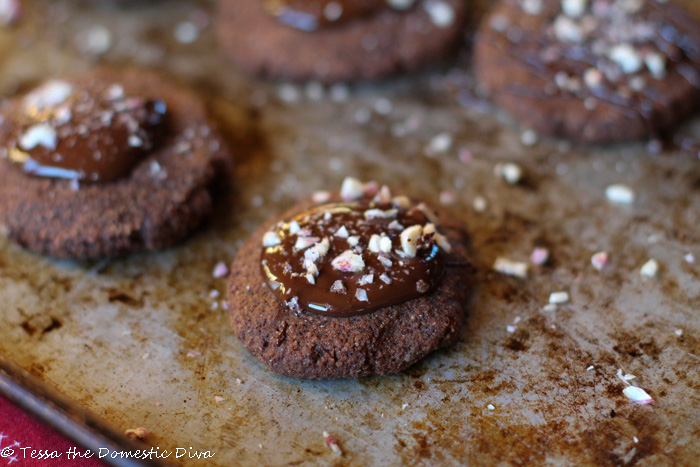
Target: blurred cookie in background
105,163
596,71
339,40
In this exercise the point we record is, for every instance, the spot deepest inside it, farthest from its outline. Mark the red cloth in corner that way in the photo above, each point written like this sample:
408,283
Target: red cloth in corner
20,430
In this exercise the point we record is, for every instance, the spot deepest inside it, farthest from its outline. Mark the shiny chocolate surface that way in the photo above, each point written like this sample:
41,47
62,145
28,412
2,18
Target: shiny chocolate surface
309,15
347,258
90,135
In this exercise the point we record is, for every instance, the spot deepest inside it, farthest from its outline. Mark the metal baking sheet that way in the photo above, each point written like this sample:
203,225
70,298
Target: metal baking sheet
142,342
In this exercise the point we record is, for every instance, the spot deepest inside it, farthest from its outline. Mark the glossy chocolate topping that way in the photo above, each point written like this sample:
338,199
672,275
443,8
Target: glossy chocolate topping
355,254
95,135
309,15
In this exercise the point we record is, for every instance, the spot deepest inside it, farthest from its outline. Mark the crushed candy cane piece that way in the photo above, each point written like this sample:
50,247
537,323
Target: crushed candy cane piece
338,287
361,295
409,237
439,144
559,298
136,433
689,258
348,261
529,138
220,270
539,256
332,444
352,189
510,268
194,354
10,12
491,407
620,194
447,198
678,332
218,399
321,196
271,239
342,232
441,13
624,377
303,243
650,268
637,395
511,172
510,329
480,204
599,260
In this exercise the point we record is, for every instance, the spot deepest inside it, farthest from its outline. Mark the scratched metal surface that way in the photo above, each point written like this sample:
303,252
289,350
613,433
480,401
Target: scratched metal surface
114,336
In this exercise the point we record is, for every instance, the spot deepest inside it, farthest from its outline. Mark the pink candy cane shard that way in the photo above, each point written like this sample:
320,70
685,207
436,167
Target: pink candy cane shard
637,395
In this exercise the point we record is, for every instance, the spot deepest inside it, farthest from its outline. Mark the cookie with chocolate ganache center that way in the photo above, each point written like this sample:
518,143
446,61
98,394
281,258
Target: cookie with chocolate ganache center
340,40
368,282
592,71
105,163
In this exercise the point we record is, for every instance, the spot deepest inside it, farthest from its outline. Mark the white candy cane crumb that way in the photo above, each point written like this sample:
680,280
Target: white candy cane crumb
332,444
491,407
559,298
136,433
361,295
442,14
599,260
637,395
624,377
620,194
271,239
41,134
480,204
220,270
348,261
510,268
439,144
509,171
528,138
321,196
539,256
650,268
186,32
352,189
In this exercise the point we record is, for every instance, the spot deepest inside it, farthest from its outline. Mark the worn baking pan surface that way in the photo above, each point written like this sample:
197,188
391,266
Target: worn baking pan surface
144,341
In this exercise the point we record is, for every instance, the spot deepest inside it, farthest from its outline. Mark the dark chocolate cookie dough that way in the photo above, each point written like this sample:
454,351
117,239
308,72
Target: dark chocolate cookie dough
105,163
331,41
400,282
594,71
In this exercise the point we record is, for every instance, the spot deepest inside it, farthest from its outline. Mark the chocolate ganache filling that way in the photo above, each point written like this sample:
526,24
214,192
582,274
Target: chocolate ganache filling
61,130
353,255
309,15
